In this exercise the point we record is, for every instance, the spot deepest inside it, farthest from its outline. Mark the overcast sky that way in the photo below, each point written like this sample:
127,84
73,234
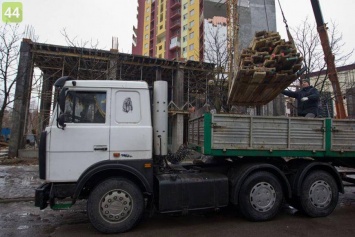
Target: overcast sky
100,20
86,20
338,11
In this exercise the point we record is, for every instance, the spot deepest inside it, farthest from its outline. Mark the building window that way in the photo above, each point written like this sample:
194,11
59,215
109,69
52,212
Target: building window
185,6
192,23
146,27
184,39
191,57
160,47
184,49
192,2
146,46
184,27
185,16
147,18
192,12
148,9
191,35
191,47
146,36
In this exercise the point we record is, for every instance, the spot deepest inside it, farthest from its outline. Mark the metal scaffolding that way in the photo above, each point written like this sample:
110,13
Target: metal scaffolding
55,61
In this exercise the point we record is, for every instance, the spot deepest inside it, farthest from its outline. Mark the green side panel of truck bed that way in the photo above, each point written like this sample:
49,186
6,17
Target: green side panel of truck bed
237,135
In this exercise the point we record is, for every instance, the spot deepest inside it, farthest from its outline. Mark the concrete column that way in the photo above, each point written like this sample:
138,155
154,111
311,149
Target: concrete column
113,67
158,74
178,119
21,102
46,98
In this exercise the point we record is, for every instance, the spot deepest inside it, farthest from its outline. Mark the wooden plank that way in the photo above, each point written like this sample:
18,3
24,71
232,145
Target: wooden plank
266,68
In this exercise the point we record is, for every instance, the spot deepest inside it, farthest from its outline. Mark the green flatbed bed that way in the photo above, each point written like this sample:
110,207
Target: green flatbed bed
259,136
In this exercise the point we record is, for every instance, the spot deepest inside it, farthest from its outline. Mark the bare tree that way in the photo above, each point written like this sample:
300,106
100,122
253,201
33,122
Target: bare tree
216,53
9,54
88,66
308,44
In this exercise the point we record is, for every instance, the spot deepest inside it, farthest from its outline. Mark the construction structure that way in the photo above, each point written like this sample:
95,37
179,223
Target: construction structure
187,82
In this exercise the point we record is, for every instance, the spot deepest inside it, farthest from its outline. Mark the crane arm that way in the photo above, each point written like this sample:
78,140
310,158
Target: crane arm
329,59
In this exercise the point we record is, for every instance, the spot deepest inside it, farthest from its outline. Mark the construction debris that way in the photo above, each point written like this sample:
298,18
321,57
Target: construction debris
265,69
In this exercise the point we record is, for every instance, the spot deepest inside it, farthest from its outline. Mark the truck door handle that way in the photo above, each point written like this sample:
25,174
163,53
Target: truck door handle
100,148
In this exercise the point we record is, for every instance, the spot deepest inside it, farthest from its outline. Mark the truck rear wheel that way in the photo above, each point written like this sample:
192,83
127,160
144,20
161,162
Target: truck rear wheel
319,194
260,196
115,205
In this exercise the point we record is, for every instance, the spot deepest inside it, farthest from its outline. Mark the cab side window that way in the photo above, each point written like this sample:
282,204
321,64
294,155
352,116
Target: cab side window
85,107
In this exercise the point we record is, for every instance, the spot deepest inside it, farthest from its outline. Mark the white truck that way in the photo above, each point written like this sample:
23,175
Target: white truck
107,143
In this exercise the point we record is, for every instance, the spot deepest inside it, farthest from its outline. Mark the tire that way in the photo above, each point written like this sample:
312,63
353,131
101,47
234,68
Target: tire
260,197
115,206
319,194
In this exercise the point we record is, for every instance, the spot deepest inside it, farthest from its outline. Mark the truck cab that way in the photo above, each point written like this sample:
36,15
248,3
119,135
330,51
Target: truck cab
103,121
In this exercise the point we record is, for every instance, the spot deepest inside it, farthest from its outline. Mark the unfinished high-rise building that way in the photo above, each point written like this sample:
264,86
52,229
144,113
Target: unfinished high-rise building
176,29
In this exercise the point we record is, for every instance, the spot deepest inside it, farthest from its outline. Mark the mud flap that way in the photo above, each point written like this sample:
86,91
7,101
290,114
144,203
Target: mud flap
42,196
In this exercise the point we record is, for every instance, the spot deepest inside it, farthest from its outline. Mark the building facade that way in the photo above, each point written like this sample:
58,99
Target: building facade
346,77
170,29
176,29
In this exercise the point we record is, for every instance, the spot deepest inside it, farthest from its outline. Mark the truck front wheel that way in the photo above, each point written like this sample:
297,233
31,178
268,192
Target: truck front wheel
319,194
260,196
115,205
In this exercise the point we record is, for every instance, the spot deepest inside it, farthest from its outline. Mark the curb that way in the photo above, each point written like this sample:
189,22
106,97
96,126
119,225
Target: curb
10,200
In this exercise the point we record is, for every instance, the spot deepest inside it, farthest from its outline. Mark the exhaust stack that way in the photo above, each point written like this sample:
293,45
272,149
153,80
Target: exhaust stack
160,118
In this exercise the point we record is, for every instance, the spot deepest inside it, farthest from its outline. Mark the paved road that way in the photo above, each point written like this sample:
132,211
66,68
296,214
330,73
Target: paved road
18,181
23,219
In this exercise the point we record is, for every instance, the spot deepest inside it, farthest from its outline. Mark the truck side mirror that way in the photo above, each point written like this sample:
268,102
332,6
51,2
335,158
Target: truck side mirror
60,121
61,99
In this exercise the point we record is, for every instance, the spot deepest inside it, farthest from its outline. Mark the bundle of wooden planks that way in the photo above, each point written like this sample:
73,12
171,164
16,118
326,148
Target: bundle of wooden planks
265,69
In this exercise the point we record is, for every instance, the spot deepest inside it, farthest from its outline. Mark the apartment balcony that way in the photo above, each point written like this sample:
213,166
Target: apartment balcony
175,4
175,25
175,45
175,14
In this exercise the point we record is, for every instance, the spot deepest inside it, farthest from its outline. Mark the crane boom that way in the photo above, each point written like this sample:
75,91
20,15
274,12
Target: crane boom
329,59
232,37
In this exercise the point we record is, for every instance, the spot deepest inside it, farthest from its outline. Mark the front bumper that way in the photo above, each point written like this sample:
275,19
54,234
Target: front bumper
42,196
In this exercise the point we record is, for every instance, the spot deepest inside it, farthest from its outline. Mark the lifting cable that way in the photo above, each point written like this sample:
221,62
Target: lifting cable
267,21
290,38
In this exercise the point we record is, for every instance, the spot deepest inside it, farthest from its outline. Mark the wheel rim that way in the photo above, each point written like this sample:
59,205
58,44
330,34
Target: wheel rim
320,194
262,197
116,206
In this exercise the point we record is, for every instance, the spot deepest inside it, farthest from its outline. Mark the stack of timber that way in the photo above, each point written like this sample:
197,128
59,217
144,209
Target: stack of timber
265,69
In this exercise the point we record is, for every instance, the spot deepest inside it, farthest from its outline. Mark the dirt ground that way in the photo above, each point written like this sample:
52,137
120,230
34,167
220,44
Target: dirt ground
18,161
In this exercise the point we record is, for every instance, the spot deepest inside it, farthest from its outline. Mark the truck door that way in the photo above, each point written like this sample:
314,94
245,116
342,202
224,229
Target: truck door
85,139
131,130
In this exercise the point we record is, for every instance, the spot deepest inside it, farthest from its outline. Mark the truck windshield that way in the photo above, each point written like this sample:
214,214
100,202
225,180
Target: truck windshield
85,107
